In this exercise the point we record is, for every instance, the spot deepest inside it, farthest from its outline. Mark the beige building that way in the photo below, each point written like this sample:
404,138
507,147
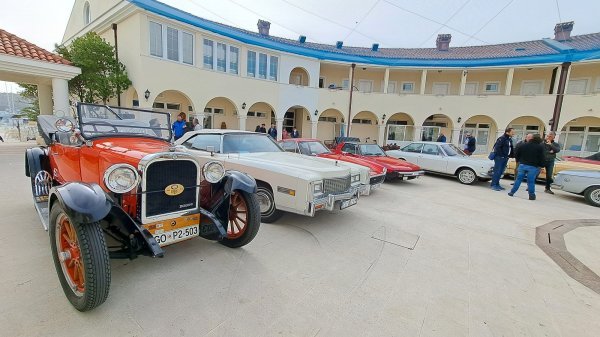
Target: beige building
237,79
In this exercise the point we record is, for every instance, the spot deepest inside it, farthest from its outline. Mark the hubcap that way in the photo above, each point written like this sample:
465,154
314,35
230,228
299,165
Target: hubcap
595,196
69,254
238,216
264,202
467,176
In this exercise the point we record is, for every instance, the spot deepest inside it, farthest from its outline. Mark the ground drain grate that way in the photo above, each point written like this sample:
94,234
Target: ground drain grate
551,239
396,237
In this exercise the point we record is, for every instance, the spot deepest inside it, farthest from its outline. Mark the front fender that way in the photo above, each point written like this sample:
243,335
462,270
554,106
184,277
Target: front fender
83,203
236,180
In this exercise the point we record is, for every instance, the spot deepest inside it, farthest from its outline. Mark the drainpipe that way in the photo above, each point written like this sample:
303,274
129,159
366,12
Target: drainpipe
559,95
114,28
350,104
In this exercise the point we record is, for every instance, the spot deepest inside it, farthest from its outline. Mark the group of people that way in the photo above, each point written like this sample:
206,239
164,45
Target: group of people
273,131
531,155
180,126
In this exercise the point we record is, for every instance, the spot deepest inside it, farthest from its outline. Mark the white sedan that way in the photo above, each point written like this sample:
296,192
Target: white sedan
286,181
447,159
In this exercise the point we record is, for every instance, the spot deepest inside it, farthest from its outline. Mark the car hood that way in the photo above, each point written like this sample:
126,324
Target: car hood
375,167
129,150
394,163
582,173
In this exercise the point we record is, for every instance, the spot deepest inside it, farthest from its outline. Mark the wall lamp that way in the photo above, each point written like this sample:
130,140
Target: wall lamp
316,112
459,119
551,121
147,94
383,118
244,106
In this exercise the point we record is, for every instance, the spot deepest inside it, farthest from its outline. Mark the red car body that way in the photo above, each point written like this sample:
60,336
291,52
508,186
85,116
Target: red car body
593,159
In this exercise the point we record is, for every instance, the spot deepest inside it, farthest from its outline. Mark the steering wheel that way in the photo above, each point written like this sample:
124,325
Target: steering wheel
114,128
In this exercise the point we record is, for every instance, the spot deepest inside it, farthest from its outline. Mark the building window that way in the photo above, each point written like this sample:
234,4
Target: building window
531,88
262,65
156,40
221,57
187,40
391,89
135,102
251,63
172,44
273,68
158,105
577,87
492,87
208,54
87,14
173,106
407,87
346,84
234,55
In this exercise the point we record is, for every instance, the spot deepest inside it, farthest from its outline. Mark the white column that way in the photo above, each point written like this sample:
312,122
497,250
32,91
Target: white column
386,80
279,123
417,135
423,82
60,91
509,80
557,80
242,121
456,137
313,129
45,98
381,134
463,82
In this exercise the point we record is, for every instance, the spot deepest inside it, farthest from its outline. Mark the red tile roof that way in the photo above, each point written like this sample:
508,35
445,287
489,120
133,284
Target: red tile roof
11,44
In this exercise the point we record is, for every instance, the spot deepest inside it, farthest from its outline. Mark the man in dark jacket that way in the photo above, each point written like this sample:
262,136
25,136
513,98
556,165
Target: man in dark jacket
531,158
503,149
263,129
552,148
273,131
470,144
441,138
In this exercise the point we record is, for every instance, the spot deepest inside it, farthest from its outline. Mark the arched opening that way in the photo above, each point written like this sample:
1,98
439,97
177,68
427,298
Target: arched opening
399,129
173,102
436,126
260,113
524,125
580,137
364,126
483,128
330,125
220,113
299,76
87,14
297,117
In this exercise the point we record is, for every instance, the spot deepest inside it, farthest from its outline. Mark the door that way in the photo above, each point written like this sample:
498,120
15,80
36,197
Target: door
441,88
208,122
471,88
64,158
432,159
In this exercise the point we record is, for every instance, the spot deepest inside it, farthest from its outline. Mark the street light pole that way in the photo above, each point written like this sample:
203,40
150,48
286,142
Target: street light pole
350,104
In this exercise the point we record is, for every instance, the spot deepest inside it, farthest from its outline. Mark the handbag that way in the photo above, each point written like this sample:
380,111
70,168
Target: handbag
492,155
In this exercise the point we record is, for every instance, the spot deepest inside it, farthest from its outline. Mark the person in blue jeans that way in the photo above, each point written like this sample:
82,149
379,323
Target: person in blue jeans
531,157
503,149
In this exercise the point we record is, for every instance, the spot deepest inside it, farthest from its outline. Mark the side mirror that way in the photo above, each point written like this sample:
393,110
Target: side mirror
64,125
210,148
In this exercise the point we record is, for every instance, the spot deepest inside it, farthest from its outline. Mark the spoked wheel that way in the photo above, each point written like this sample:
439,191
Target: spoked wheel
244,219
466,176
81,259
592,196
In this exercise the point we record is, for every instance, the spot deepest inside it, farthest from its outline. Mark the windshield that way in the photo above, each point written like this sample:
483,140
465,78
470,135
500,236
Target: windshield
452,150
249,143
312,148
371,150
100,120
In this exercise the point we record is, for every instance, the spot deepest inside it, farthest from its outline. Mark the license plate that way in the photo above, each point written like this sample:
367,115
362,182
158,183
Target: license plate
348,203
171,231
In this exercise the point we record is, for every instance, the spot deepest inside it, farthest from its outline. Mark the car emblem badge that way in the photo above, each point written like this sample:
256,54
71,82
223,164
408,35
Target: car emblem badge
174,189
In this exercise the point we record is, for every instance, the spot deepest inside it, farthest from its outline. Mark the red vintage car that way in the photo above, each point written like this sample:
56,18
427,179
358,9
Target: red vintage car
109,184
593,159
396,168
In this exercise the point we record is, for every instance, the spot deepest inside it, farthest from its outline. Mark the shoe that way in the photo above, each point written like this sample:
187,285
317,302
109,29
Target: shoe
510,194
502,188
549,191
512,184
532,197
496,188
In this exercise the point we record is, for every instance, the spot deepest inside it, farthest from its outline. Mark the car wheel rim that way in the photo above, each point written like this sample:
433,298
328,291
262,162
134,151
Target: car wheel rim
467,176
264,201
595,196
238,216
69,254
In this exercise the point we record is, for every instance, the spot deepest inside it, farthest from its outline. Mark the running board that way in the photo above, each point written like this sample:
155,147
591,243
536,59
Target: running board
42,209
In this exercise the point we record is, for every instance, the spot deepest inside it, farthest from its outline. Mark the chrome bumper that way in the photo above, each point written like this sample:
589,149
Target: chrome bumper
329,202
403,174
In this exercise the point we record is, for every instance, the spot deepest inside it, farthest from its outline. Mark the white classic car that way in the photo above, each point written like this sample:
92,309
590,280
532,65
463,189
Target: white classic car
447,159
582,182
286,181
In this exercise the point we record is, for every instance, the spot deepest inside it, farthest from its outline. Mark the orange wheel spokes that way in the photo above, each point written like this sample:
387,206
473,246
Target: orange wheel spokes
238,215
70,254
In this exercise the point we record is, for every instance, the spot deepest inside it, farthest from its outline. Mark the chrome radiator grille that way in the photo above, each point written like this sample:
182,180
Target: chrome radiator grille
159,175
336,185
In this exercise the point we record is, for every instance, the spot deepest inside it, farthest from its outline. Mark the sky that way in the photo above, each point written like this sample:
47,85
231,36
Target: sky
391,23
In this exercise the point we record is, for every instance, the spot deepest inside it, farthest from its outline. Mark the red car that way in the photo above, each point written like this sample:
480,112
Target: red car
593,159
314,147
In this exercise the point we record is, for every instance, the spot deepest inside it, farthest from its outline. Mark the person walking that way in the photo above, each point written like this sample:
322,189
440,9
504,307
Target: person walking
273,131
531,157
441,138
470,144
179,126
551,149
295,133
528,137
503,149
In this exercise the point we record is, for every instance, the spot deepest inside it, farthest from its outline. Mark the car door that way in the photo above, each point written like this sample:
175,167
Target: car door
433,159
411,153
64,157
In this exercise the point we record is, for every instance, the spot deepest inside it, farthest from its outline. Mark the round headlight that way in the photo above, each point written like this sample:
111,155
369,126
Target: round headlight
121,178
213,172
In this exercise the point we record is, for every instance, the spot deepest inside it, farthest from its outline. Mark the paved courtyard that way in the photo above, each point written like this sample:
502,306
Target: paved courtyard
429,257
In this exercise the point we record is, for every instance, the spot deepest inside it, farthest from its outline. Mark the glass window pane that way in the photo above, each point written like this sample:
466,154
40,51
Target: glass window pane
574,141
156,44
208,54
262,65
234,55
221,51
187,41
251,64
593,143
172,44
273,68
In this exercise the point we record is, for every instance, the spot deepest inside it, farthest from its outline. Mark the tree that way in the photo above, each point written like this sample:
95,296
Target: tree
102,76
30,92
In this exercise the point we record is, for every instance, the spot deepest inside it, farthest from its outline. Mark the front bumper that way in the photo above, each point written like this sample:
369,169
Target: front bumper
557,186
375,182
329,202
404,174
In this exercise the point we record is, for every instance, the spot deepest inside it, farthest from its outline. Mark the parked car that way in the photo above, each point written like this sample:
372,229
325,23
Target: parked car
109,187
593,159
559,165
286,181
447,159
314,147
582,182
396,169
